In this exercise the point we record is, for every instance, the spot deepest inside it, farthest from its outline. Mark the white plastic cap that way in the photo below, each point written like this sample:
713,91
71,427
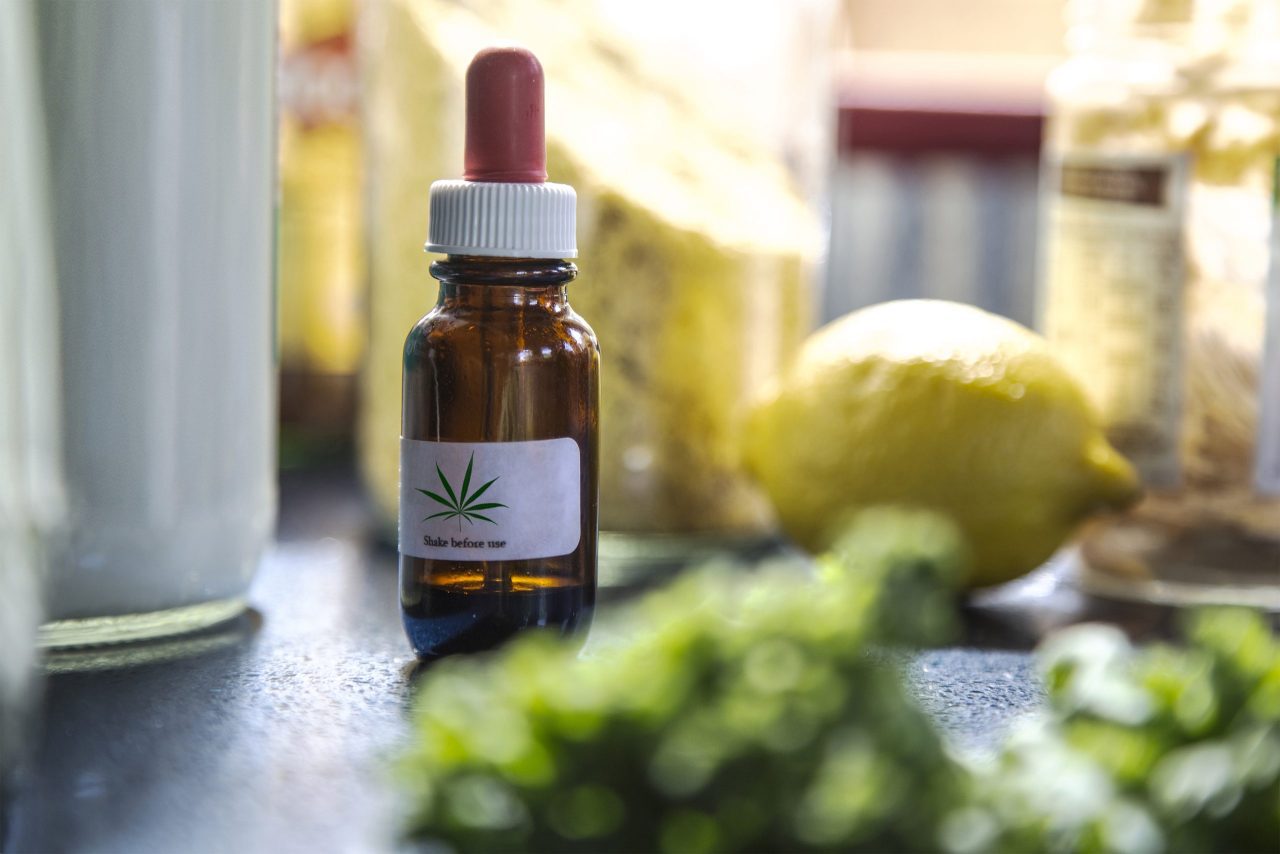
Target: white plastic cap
503,220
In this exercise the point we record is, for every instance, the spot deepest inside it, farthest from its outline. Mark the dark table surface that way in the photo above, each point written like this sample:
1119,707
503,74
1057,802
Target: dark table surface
275,732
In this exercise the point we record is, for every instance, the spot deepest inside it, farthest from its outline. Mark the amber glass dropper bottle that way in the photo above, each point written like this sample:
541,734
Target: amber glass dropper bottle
498,459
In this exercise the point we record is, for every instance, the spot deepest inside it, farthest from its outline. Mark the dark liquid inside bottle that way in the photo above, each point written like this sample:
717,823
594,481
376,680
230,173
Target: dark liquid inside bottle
502,358
459,615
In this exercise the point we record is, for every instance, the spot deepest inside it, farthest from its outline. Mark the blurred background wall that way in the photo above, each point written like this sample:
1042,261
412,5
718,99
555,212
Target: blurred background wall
1000,27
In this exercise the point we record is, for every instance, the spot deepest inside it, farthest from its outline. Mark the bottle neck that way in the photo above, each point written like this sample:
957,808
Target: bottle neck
485,282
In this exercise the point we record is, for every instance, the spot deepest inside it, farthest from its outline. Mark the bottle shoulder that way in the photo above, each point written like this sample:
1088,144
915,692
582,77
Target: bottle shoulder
577,327
527,335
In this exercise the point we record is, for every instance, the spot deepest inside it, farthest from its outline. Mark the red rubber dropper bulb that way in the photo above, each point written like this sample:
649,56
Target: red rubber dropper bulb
505,139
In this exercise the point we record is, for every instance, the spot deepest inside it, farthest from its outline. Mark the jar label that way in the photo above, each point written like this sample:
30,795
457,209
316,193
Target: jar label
480,501
1113,270
1267,461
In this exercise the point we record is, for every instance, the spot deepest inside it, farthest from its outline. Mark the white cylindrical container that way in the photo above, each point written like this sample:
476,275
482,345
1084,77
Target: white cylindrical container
160,119
31,497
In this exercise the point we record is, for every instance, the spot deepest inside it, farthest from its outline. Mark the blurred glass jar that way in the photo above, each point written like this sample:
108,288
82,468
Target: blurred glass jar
32,501
1160,169
161,126
698,165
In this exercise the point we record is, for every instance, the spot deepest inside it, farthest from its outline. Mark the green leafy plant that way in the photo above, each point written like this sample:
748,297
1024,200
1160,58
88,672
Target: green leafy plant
739,715
461,505
1158,748
754,710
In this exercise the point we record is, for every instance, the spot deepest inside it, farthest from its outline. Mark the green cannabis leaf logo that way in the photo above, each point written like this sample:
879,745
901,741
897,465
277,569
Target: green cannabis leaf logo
461,506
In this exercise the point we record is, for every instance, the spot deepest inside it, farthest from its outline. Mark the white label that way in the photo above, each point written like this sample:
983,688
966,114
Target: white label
490,500
1114,273
1267,474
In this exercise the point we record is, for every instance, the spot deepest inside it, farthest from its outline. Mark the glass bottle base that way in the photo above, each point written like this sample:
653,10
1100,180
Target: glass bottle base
1148,560
1103,583
448,621
127,628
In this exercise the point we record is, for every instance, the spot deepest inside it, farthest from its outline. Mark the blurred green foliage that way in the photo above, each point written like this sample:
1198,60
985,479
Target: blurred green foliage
749,711
1143,750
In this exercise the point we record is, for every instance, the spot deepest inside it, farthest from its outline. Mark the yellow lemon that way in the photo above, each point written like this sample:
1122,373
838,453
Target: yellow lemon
938,405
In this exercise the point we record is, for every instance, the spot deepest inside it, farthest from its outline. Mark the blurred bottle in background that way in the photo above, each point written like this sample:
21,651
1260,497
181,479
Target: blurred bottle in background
160,120
934,192
1159,207
698,164
320,255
